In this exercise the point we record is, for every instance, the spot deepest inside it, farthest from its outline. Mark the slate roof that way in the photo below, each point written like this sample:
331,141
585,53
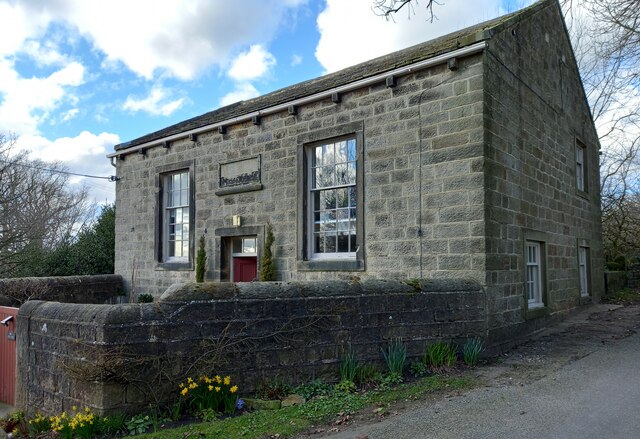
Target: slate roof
376,66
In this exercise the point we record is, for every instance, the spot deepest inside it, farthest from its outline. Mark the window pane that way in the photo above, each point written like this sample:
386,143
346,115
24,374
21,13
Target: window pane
172,232
342,153
185,216
327,153
174,198
342,197
249,245
176,182
328,224
351,173
178,248
319,243
343,219
185,231
178,229
351,145
342,177
237,245
352,243
330,243
327,200
184,181
343,243
352,197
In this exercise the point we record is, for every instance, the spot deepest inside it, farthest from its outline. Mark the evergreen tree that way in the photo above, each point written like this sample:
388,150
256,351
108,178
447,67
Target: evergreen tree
267,268
201,261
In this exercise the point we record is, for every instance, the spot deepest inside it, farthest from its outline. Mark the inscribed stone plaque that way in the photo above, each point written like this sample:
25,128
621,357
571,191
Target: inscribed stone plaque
240,174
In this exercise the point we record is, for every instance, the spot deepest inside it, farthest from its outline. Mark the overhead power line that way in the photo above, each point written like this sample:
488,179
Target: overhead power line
58,171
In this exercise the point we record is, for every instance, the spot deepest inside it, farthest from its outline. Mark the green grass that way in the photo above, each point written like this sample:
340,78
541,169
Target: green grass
293,420
623,297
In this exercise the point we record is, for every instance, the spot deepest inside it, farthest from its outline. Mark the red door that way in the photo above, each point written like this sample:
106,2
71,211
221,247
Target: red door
245,268
8,354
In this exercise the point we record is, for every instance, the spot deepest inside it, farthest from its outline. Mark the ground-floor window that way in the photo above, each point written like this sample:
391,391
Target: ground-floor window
534,267
174,224
583,269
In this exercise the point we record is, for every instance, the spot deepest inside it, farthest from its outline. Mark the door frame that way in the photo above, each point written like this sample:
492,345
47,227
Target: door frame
223,235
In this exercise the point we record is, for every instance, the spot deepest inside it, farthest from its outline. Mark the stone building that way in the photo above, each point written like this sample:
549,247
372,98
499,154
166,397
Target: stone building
471,156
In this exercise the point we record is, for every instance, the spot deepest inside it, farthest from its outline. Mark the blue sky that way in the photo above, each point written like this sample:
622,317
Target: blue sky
78,76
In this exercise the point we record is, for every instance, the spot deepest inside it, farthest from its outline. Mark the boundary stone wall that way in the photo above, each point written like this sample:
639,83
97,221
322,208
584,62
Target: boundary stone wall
120,358
103,288
633,276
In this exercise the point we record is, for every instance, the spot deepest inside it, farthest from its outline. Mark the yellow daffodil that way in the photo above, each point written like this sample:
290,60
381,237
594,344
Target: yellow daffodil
227,380
234,389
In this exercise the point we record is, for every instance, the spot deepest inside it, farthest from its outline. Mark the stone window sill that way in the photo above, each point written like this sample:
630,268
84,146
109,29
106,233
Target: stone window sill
331,265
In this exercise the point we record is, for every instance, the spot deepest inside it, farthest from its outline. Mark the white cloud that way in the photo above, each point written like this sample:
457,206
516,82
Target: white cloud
44,55
158,103
295,59
27,102
351,33
68,115
252,64
243,91
177,38
84,154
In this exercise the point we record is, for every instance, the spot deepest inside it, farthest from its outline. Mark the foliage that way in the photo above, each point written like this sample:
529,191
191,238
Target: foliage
345,386
368,374
272,389
471,351
92,251
348,366
138,424
267,266
201,261
395,356
419,369
291,421
112,424
215,393
440,356
313,389
145,298
623,297
39,209
208,415
81,424
15,422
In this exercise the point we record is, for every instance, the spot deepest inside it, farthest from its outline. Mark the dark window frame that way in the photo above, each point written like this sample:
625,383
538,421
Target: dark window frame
306,142
161,173
580,145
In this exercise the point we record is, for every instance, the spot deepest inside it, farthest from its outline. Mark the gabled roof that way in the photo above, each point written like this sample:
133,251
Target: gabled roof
377,66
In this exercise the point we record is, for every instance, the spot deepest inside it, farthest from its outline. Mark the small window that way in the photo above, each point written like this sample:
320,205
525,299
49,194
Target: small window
583,268
534,269
581,183
332,199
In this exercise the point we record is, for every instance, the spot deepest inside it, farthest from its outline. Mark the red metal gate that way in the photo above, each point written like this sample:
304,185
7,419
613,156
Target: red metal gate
8,354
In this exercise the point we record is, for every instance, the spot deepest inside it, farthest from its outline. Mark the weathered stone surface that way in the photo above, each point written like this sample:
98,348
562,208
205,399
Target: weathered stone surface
104,288
292,400
262,404
122,357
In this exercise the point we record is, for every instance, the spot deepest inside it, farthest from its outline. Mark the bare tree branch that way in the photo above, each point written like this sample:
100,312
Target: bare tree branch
388,8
